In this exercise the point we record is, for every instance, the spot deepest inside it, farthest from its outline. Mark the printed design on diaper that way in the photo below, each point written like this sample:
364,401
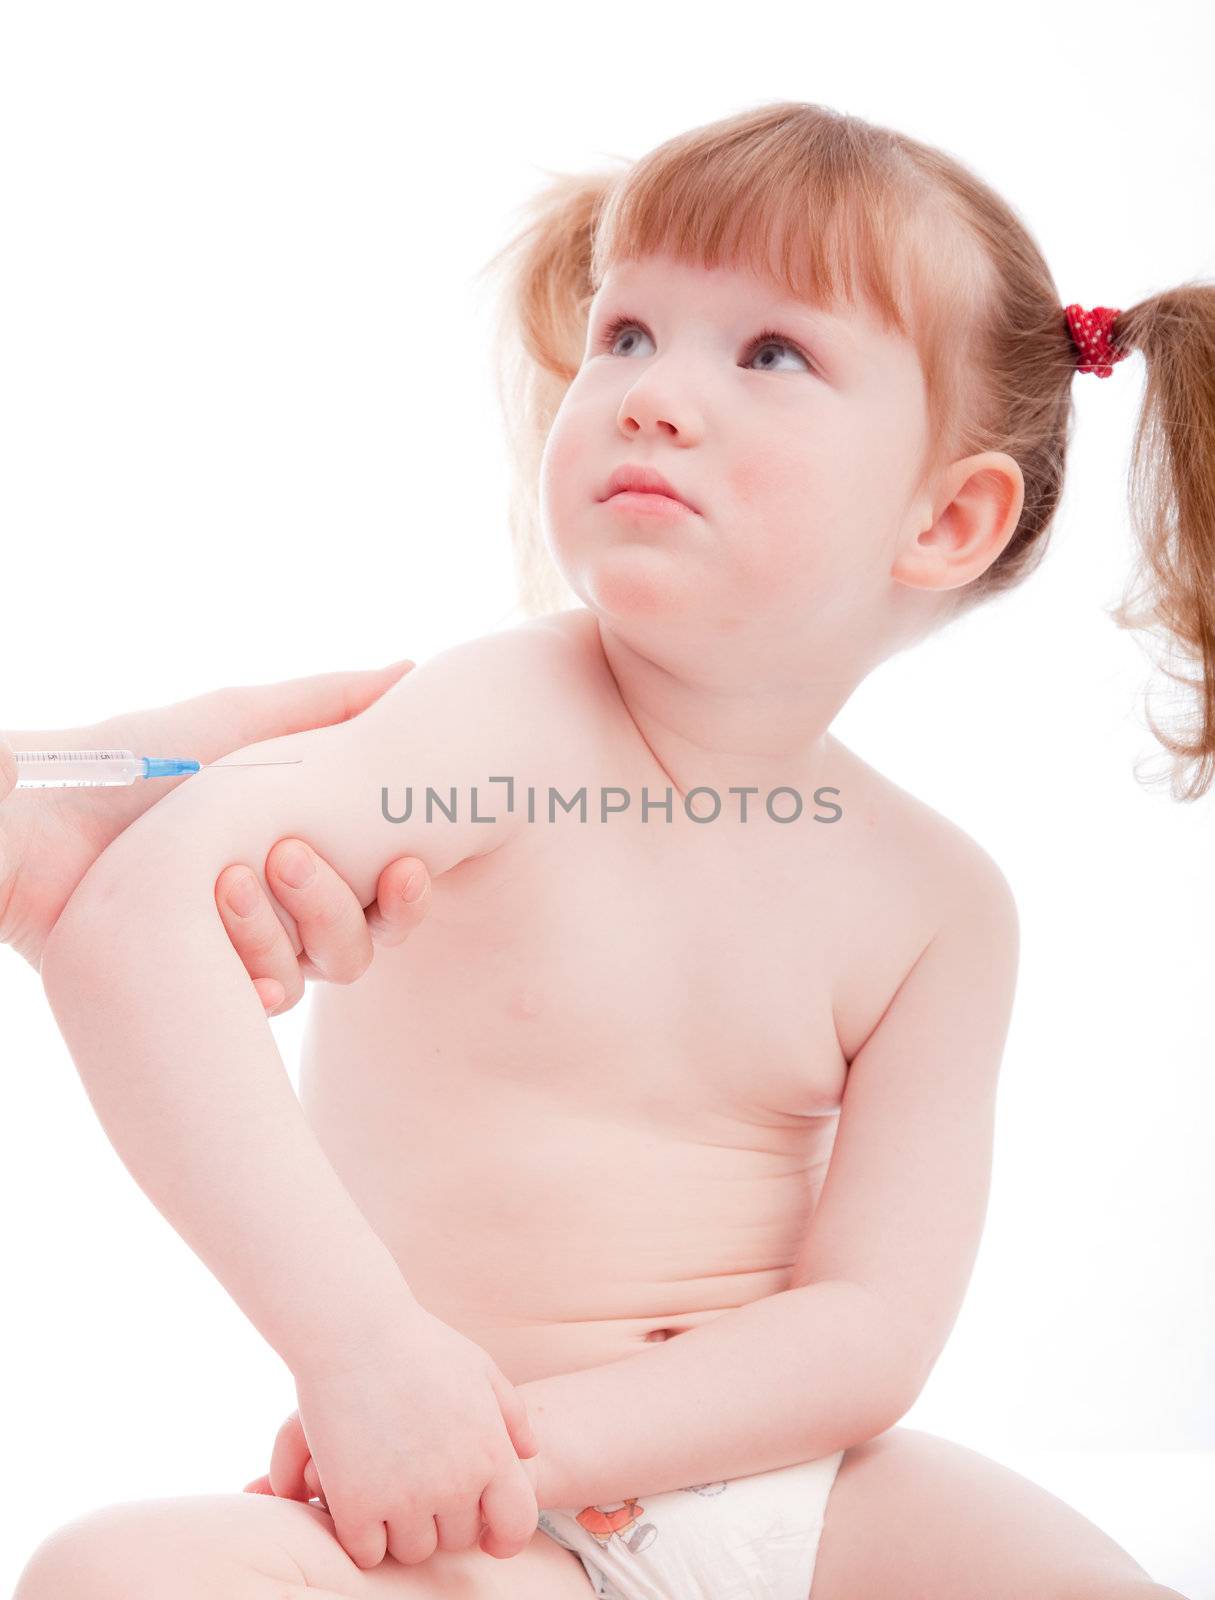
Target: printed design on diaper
605,1523
763,1540
601,1584
620,1521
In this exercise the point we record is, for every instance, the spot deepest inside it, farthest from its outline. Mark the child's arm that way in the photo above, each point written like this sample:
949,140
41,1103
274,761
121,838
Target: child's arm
189,1086
842,1353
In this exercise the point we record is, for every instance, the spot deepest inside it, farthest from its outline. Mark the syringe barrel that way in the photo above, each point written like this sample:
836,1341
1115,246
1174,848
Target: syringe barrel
77,769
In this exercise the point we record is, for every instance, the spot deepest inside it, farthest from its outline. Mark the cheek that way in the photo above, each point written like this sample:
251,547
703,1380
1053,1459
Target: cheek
559,469
566,491
759,477
809,499
779,498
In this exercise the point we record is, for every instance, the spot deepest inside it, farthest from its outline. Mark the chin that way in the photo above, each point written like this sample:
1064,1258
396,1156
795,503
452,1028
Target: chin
644,584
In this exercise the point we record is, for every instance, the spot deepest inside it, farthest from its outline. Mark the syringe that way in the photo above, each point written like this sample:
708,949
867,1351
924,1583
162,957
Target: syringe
107,769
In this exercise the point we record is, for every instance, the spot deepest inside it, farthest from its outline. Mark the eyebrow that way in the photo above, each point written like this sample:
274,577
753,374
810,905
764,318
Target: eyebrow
828,323
825,324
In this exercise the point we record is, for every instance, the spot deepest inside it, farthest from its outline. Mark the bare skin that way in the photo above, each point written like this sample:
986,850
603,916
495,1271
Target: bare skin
624,1124
742,1129
50,838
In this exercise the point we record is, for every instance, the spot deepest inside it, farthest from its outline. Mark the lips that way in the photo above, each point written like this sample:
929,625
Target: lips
642,480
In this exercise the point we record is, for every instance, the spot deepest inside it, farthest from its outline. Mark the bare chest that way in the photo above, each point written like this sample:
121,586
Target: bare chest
593,1099
680,968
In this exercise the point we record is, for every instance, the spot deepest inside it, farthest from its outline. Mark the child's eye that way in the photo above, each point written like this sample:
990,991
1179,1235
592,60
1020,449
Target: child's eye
770,336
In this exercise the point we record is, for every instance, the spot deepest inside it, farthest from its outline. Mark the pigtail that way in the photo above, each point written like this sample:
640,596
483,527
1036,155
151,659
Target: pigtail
1171,593
543,291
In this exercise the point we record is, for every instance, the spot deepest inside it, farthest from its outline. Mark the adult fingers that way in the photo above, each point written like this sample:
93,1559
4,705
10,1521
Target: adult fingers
259,938
250,713
336,936
328,916
402,901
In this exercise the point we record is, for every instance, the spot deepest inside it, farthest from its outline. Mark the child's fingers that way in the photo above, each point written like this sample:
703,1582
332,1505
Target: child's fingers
514,1413
262,1485
287,1461
312,1479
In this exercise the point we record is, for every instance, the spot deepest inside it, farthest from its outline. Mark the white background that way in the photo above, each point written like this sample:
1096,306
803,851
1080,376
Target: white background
243,352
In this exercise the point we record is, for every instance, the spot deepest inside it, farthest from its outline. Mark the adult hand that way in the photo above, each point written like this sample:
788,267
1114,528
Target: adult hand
50,837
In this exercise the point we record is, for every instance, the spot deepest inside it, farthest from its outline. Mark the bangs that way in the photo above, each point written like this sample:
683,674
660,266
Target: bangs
829,209
774,197
844,217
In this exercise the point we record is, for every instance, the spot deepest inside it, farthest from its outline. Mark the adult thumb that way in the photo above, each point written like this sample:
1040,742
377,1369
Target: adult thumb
514,1414
296,705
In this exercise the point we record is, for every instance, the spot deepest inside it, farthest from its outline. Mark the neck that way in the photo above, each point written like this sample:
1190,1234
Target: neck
732,713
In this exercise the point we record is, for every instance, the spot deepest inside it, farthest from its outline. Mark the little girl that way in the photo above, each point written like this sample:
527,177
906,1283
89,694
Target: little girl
630,1204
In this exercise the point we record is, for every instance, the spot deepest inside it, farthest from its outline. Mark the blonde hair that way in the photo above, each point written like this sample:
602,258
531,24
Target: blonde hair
833,207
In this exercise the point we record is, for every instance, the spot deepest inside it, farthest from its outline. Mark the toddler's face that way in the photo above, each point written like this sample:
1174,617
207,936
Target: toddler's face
798,453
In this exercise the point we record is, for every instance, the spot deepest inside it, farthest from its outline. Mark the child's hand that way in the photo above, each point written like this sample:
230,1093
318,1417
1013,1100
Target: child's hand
293,1474
419,1438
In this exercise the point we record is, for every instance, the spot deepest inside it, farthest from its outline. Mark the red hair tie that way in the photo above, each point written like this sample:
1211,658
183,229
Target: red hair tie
1090,331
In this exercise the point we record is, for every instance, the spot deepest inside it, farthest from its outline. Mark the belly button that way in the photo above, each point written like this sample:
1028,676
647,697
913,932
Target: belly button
656,1334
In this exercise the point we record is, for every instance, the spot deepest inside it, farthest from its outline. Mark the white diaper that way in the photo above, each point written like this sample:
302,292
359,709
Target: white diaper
753,1538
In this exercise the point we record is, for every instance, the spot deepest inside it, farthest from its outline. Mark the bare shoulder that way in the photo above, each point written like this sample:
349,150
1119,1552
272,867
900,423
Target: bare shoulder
557,662
912,878
573,638
941,865
530,652
517,691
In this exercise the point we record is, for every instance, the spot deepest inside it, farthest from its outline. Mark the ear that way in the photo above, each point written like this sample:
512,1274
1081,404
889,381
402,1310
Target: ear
980,499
